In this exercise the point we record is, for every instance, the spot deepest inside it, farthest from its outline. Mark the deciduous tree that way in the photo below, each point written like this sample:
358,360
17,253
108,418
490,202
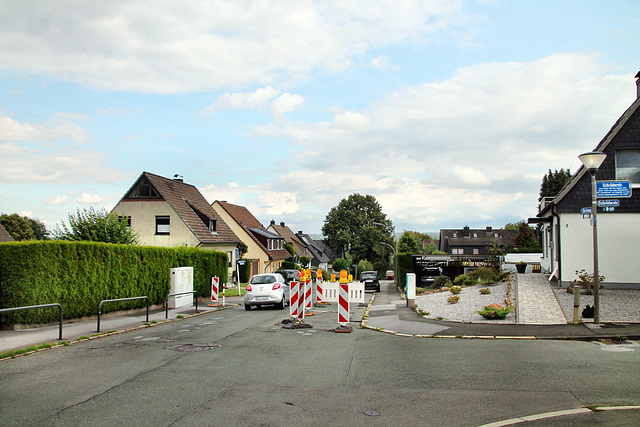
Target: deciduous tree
97,226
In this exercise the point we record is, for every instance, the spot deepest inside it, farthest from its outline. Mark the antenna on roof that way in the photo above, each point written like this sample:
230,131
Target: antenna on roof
177,177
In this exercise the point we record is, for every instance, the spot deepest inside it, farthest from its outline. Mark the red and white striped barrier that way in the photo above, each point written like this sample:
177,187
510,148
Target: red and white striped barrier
301,301
343,304
319,290
293,299
308,287
215,282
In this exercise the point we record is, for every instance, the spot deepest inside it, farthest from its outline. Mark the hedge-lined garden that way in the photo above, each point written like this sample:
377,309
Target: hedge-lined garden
79,275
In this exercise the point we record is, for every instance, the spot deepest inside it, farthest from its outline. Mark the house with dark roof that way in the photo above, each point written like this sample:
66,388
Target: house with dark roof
289,236
319,259
4,235
470,243
567,234
169,212
266,251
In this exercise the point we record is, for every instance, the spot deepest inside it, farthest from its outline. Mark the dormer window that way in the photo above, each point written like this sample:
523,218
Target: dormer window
455,234
143,190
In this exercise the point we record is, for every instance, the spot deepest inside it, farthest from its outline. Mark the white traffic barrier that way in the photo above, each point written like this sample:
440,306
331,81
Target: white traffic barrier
330,292
356,292
293,299
343,304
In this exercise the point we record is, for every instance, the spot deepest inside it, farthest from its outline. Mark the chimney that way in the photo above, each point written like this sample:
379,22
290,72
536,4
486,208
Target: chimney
465,231
489,229
282,224
273,222
638,85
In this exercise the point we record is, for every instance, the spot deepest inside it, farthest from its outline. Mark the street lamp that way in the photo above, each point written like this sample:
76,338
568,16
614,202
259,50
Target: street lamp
395,258
592,162
395,254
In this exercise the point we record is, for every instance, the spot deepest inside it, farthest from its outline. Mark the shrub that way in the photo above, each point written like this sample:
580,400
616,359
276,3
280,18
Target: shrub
441,281
485,275
485,291
495,311
453,299
455,290
464,280
586,282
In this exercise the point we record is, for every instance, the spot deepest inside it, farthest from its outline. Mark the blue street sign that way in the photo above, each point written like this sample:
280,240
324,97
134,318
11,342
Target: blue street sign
607,203
586,211
613,189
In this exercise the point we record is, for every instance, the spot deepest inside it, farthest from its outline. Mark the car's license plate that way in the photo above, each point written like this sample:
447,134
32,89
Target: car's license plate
262,298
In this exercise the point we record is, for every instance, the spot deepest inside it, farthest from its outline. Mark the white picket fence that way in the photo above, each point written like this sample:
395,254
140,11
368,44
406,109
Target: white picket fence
330,292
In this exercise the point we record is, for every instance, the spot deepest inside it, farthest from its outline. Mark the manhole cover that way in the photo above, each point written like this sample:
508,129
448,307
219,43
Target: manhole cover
189,348
372,413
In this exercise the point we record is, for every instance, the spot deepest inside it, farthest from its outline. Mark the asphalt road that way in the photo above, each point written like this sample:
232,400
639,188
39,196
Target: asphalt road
248,370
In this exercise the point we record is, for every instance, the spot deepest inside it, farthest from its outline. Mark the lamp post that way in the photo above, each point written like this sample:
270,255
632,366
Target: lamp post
592,162
395,254
395,258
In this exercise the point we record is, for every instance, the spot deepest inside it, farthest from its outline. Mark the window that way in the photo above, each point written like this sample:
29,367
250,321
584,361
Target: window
163,225
143,190
476,251
457,251
475,235
455,234
128,219
230,254
628,166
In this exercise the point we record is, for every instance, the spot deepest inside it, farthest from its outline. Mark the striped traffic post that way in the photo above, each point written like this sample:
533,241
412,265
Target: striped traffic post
293,301
215,282
343,304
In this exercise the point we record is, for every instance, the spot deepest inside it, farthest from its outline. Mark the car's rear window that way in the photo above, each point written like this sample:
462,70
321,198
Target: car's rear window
259,280
369,276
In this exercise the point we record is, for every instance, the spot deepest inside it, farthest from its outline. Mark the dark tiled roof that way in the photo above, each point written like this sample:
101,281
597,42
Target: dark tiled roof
289,236
485,238
183,198
318,254
4,235
255,230
625,134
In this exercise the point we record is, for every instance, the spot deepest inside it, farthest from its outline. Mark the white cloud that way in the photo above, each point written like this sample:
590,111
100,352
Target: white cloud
474,146
91,199
57,200
285,103
161,47
278,203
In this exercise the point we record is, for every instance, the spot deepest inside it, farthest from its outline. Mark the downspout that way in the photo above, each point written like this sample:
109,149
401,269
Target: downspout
266,268
558,245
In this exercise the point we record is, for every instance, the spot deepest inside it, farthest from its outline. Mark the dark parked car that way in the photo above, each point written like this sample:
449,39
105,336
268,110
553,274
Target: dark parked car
290,275
428,277
370,279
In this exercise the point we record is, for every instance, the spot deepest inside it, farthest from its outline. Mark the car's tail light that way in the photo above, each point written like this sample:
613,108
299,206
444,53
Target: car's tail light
248,287
276,286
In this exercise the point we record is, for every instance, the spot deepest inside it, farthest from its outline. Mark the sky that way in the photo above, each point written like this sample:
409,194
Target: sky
448,112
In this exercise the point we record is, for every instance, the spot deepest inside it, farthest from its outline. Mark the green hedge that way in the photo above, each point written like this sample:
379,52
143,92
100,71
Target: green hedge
79,275
405,265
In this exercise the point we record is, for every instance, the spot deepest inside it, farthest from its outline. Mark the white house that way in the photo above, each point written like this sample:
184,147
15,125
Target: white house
567,237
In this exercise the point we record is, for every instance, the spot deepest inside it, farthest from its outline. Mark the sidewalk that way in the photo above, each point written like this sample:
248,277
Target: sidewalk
75,329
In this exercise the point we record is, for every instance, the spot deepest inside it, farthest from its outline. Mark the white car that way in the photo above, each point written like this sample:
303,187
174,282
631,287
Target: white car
266,289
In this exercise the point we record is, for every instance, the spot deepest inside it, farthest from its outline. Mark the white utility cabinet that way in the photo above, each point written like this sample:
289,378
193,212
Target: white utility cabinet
181,281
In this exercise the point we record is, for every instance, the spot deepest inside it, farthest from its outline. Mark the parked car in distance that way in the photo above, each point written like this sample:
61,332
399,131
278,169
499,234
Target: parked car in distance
370,279
390,275
428,276
266,289
290,275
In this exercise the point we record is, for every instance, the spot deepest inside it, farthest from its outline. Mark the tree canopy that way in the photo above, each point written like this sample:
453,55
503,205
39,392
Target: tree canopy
407,244
552,182
24,228
525,240
97,226
356,227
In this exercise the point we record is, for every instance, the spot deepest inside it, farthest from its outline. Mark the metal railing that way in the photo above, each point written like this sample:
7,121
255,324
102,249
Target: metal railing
120,299
166,302
7,310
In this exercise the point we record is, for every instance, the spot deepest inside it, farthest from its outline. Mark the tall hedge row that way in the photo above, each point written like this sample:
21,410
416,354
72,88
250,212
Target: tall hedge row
79,275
